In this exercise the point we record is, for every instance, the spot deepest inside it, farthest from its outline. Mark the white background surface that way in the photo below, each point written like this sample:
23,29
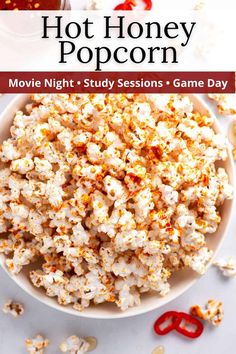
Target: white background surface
125,336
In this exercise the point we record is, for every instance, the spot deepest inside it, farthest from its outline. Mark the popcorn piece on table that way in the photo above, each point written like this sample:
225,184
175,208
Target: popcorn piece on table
95,4
226,103
14,308
36,345
227,267
213,313
75,345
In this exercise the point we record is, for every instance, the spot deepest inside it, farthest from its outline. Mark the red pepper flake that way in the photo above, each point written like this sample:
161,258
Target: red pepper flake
157,151
180,322
135,179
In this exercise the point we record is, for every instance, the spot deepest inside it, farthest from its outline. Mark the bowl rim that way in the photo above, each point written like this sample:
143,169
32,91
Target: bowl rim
137,310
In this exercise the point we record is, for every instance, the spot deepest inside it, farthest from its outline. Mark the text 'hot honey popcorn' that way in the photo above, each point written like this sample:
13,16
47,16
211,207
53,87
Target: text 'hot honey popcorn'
113,193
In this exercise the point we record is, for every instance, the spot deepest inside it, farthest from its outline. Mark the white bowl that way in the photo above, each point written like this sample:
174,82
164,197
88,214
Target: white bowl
180,281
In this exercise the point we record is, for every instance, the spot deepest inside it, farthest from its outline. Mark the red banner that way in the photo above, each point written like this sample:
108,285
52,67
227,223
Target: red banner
117,82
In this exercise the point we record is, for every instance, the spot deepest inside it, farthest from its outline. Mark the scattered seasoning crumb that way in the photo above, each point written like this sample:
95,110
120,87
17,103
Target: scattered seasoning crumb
36,345
227,267
213,312
75,345
159,350
14,308
95,5
92,343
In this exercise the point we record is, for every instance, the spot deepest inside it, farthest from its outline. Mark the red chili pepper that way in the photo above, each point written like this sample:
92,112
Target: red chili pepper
127,5
123,7
176,319
188,319
119,7
148,4
172,316
132,2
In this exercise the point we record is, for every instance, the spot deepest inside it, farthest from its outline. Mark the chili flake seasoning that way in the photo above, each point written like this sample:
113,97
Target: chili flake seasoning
30,4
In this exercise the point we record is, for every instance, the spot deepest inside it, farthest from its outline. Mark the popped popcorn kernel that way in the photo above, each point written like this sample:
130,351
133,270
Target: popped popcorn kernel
95,4
213,312
13,308
75,345
36,345
226,266
226,103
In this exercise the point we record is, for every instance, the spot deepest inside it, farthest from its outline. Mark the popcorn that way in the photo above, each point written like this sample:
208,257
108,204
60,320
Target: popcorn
193,241
227,267
94,5
22,257
198,260
22,166
36,345
93,152
43,167
8,151
127,298
225,103
113,188
111,194
169,195
213,313
13,308
54,194
75,345
130,240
